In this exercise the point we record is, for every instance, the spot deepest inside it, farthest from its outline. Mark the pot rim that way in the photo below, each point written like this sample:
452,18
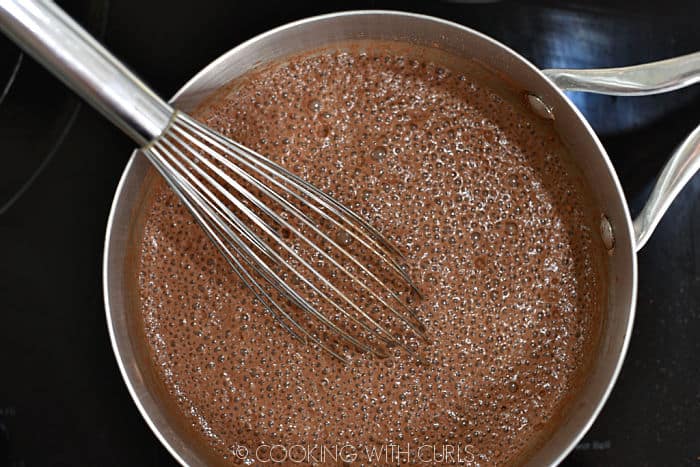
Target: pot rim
628,235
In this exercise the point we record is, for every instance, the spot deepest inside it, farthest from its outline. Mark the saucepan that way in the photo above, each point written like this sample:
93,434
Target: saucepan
622,236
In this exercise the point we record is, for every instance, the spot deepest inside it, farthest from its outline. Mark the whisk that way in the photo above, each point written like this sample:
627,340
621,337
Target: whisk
326,275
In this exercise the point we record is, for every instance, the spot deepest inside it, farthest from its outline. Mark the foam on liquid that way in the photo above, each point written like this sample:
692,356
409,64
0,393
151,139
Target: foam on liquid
456,171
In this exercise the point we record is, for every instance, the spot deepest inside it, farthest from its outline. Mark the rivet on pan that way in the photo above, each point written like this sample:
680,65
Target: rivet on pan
606,234
539,107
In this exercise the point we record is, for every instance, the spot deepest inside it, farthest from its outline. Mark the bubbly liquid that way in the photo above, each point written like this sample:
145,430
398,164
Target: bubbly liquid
450,165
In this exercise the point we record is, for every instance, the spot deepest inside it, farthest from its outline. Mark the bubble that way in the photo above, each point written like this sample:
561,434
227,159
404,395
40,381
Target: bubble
315,105
510,228
343,237
379,153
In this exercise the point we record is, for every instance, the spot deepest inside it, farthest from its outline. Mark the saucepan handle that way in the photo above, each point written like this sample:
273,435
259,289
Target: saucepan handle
642,80
638,80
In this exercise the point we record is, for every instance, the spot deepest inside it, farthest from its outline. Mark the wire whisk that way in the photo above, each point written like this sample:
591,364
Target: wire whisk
267,223
324,273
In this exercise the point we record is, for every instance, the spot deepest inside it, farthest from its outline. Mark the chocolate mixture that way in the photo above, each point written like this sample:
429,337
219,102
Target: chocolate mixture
448,163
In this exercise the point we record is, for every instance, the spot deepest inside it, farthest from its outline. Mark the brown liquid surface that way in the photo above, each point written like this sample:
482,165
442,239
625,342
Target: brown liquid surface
450,165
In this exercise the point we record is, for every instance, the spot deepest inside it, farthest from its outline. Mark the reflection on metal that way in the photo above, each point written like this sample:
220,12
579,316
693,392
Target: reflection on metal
681,167
607,235
639,80
539,107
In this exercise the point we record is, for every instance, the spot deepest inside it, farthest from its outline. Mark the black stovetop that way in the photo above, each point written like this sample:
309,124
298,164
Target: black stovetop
62,399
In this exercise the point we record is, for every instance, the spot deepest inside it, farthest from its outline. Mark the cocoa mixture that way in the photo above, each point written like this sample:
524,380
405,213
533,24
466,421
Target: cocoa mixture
447,161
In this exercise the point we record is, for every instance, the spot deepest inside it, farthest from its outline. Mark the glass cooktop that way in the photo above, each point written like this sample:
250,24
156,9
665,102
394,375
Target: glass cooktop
62,399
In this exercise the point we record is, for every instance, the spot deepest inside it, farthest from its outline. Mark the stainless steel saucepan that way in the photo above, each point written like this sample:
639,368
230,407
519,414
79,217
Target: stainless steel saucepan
622,236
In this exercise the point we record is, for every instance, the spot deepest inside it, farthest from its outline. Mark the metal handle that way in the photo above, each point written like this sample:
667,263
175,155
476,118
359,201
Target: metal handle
678,171
68,51
642,80
639,80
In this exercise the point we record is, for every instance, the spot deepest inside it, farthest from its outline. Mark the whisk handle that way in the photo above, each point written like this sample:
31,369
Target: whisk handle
52,37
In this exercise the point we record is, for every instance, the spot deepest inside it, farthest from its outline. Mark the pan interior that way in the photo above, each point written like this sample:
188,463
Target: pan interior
584,147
